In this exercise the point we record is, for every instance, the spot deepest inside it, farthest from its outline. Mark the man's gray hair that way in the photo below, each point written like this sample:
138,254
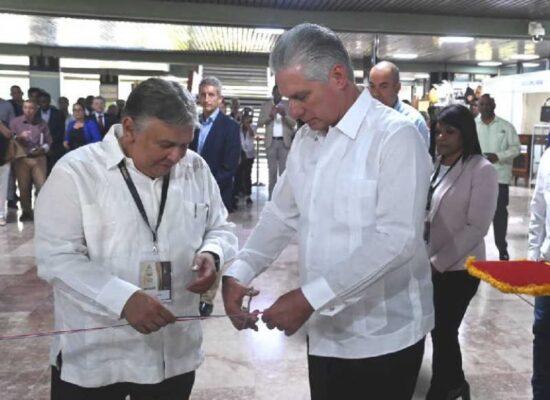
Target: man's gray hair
316,48
211,81
165,100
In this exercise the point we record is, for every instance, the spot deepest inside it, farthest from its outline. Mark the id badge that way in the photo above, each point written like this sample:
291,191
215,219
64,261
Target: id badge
155,278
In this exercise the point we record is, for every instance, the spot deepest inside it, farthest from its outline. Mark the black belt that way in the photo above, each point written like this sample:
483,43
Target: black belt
278,138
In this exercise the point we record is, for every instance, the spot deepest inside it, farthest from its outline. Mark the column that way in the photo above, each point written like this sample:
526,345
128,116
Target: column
44,73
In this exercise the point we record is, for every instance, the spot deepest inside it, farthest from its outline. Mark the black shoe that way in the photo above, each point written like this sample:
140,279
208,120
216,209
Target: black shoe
504,256
205,309
249,201
462,392
26,216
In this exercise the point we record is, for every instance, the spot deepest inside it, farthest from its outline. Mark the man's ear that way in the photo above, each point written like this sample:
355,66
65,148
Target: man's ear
129,129
398,87
339,75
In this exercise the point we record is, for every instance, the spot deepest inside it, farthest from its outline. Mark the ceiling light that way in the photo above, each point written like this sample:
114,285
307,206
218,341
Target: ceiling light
421,76
530,65
269,31
455,39
489,64
525,56
405,56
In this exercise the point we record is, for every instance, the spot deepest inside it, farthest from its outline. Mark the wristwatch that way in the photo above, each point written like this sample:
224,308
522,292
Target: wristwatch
216,259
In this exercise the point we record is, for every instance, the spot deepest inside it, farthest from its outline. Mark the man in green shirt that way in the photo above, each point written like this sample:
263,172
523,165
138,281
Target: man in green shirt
500,144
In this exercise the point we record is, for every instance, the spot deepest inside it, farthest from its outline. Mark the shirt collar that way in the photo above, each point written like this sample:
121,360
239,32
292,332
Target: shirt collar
398,106
211,118
350,123
113,151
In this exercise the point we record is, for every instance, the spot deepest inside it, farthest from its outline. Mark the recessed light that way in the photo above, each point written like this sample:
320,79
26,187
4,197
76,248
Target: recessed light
405,56
489,64
530,65
525,56
455,39
421,76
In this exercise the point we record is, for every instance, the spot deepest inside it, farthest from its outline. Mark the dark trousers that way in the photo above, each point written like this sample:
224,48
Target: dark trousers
391,376
245,176
175,388
541,349
452,294
500,220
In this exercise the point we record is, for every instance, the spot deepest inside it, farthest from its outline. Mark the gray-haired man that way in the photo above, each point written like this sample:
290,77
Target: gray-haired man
354,191
139,232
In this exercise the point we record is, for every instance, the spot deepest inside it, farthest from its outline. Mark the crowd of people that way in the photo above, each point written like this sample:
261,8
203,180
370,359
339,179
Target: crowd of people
384,228
35,135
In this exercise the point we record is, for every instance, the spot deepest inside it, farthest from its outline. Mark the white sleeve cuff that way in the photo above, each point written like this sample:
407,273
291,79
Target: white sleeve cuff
533,255
115,294
213,248
319,294
241,271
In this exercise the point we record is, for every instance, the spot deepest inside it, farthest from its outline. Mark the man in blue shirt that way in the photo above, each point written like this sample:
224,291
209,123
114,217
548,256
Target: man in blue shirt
218,141
384,86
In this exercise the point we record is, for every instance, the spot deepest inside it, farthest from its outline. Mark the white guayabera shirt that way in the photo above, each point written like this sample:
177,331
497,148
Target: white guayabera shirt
539,225
90,239
356,197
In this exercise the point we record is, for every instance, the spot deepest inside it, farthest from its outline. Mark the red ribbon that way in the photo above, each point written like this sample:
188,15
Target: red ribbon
181,318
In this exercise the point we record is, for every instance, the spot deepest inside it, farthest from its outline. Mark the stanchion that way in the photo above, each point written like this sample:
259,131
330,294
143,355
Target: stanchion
258,184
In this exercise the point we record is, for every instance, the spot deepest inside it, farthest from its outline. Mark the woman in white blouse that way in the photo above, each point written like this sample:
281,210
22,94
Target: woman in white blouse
461,205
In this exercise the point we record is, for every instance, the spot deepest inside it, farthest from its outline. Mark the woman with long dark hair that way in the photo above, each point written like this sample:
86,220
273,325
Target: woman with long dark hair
461,205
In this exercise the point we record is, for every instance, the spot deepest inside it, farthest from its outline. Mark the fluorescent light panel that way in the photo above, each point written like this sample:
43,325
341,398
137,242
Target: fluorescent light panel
269,31
525,56
455,39
489,63
405,56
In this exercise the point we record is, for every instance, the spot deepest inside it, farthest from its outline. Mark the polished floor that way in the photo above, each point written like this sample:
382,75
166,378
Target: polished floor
496,333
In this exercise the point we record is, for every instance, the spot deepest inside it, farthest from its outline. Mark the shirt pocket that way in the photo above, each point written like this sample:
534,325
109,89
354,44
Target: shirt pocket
194,221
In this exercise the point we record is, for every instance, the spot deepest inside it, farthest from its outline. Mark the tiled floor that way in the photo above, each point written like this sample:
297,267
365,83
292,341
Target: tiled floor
496,333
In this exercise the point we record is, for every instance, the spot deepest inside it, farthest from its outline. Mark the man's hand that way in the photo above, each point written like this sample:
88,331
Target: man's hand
145,314
37,151
492,157
288,313
205,266
25,135
273,112
233,293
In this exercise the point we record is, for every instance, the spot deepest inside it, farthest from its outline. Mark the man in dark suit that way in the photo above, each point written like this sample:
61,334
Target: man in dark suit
56,123
104,120
218,141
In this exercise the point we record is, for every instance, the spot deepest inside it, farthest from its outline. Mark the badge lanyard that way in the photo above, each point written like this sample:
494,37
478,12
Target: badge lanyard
431,191
139,204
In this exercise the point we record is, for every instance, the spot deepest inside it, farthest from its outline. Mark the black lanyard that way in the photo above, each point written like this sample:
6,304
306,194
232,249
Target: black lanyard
139,204
434,185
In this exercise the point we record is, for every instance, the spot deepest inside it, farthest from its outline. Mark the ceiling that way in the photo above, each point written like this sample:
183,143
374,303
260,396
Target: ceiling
232,32
515,9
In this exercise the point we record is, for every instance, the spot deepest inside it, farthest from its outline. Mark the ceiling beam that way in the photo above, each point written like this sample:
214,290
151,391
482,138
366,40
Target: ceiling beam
193,58
226,15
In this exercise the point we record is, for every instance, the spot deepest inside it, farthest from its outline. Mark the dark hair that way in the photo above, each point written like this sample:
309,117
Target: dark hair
44,94
165,100
32,90
461,118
